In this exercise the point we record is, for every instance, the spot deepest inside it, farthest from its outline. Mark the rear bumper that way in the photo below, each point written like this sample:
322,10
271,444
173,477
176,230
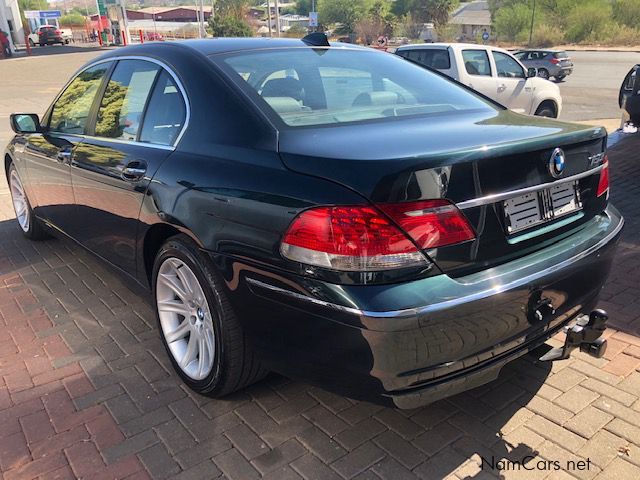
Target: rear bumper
412,343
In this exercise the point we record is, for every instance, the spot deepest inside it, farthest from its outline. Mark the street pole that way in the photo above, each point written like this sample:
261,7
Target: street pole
533,14
203,32
277,19
269,17
125,22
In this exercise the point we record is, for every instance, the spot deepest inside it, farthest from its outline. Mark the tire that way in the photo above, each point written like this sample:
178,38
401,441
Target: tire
543,73
31,226
546,110
31,43
228,363
560,78
42,44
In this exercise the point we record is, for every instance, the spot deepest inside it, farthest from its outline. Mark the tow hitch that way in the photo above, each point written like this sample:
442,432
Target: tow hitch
584,333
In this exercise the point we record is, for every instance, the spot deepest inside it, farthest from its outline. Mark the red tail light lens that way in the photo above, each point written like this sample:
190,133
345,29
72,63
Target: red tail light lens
555,61
361,238
603,183
431,223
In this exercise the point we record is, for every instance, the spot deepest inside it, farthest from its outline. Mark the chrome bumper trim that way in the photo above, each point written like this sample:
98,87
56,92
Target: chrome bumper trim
498,197
435,307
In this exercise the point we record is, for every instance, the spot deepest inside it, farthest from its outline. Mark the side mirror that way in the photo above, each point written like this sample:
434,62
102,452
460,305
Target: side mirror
25,123
532,72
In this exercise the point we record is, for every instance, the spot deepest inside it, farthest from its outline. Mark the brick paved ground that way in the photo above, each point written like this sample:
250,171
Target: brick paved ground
86,391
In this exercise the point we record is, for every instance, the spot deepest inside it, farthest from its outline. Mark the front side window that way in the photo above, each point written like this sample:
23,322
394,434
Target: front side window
476,62
507,67
307,86
166,113
125,97
71,111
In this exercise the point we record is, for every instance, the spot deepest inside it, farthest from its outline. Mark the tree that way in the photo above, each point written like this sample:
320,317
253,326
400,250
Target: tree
409,27
232,8
229,26
346,13
511,21
436,11
303,7
588,22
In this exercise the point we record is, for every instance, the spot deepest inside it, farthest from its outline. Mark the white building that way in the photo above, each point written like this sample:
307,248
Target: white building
10,21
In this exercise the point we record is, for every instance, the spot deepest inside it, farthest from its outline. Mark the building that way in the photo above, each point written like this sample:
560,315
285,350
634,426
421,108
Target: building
473,19
183,13
10,22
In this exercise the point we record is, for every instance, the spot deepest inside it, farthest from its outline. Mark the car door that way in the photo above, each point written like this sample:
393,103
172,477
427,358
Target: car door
140,115
512,88
478,68
49,154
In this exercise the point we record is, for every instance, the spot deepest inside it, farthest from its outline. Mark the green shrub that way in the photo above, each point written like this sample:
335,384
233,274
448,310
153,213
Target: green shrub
588,23
511,22
229,26
627,12
545,36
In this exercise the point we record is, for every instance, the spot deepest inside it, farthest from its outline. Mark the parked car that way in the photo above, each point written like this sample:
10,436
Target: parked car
492,71
548,63
47,35
333,213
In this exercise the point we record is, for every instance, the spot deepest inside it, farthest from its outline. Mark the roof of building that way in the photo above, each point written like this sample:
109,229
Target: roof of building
472,13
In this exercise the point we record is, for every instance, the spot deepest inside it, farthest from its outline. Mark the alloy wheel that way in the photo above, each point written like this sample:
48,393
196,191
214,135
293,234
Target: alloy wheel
185,318
20,204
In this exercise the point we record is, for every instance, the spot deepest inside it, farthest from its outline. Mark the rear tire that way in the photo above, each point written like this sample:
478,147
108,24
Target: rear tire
192,307
31,226
543,73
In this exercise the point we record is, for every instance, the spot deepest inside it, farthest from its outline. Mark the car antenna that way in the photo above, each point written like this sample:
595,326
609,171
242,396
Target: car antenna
316,39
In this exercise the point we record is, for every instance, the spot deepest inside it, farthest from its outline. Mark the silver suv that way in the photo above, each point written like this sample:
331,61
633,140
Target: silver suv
549,63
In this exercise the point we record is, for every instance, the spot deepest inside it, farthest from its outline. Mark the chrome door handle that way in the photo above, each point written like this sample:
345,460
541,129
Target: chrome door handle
134,171
63,156
502,87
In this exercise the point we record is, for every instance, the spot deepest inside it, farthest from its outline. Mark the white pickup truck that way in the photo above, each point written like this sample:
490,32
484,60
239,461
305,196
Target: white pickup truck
494,72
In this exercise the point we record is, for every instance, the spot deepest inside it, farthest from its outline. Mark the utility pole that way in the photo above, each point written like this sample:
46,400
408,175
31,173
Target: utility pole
269,17
203,32
277,19
533,15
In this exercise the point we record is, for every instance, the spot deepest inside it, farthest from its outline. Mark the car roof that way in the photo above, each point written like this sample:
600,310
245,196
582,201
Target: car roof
427,46
212,46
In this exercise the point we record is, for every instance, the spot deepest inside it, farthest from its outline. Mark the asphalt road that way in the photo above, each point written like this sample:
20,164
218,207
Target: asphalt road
591,92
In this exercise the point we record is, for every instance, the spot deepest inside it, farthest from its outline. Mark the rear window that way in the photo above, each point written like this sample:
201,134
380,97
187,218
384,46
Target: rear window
560,55
307,86
437,58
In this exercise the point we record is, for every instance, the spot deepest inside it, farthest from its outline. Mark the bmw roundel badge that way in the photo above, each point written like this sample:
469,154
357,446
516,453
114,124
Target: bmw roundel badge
556,163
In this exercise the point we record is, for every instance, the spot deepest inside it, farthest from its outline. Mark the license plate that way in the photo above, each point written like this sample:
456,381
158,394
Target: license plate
535,208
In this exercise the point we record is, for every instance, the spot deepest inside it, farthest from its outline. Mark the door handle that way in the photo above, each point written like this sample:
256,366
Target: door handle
134,171
63,156
502,87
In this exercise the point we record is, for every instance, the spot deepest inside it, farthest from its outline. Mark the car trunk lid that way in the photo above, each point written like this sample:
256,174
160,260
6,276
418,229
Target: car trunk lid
462,158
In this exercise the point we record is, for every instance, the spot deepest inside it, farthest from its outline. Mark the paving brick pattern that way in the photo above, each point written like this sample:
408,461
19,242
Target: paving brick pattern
86,391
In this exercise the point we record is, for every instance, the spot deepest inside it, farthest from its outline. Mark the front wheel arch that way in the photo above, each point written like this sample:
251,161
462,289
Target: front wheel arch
547,105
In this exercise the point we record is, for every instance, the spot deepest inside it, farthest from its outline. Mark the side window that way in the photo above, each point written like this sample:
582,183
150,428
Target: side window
431,57
71,110
166,113
507,66
476,62
122,105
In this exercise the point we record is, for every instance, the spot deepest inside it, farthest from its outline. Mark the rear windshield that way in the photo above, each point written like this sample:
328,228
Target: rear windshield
307,86
437,58
561,55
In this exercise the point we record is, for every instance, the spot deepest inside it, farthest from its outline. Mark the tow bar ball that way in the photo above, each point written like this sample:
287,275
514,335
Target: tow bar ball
585,333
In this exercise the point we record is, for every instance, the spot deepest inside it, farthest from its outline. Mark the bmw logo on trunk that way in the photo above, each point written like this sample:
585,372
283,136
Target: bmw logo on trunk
556,163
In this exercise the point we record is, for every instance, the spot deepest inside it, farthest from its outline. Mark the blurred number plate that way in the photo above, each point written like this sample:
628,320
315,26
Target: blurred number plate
535,208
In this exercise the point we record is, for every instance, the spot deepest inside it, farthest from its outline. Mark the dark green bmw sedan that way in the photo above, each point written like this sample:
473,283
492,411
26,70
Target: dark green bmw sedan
332,213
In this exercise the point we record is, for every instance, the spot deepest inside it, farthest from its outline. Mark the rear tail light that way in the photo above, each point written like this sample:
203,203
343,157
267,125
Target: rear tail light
555,61
603,183
58,32
362,238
